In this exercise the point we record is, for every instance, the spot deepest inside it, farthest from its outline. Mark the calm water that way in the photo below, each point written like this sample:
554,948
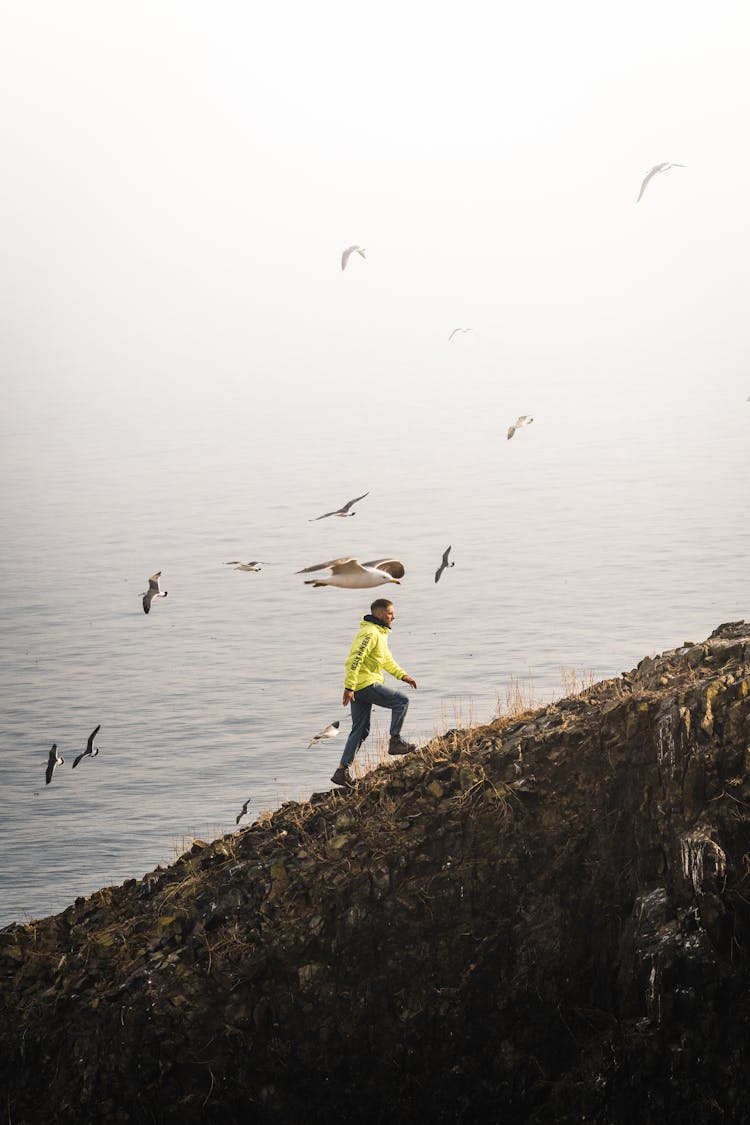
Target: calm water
577,546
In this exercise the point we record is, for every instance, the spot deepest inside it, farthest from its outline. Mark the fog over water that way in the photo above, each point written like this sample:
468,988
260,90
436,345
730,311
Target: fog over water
189,377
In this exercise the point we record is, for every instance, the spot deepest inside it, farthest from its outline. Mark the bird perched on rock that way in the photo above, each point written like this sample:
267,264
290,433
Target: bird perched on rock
327,732
153,591
349,251
444,564
341,511
91,750
354,575
524,420
663,167
53,760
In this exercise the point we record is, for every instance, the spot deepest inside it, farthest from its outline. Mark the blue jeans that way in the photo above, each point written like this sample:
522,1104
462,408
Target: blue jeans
361,706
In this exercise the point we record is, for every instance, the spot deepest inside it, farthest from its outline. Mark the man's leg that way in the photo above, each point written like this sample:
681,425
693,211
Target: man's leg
397,703
361,708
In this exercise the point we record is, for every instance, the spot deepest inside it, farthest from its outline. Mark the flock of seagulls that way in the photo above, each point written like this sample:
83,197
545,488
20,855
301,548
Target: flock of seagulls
347,573
56,759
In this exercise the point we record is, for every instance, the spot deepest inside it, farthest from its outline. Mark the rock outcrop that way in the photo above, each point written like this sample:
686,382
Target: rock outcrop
544,919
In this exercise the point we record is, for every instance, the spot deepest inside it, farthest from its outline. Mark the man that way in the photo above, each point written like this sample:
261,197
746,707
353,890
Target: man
364,686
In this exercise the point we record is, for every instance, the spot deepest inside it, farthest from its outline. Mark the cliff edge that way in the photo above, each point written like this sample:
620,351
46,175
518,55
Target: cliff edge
539,920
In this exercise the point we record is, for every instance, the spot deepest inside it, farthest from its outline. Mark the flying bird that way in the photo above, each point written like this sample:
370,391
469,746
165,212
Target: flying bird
327,732
243,811
341,511
54,759
153,591
455,330
444,564
664,167
255,565
351,250
354,575
90,748
524,420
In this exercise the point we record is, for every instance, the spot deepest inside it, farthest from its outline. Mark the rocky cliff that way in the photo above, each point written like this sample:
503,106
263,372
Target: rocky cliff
538,920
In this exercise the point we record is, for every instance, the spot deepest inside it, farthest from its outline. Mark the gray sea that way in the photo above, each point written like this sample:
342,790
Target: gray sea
591,539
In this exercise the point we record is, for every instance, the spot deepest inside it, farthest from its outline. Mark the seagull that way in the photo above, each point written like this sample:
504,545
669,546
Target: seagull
654,171
443,564
243,812
153,591
255,565
351,250
524,420
54,759
341,511
354,575
455,330
90,748
327,732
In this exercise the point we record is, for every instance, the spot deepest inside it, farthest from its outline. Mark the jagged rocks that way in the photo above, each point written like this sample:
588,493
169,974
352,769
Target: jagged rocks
539,921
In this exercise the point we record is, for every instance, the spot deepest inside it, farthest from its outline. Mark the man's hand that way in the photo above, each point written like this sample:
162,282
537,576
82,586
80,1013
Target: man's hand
349,696
408,680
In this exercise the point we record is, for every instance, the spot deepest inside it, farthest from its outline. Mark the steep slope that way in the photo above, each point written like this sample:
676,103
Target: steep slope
537,921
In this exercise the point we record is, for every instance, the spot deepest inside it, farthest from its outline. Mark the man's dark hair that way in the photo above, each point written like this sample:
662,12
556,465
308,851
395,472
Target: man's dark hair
380,603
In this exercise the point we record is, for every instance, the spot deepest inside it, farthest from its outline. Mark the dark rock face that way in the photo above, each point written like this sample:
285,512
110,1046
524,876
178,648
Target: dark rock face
545,920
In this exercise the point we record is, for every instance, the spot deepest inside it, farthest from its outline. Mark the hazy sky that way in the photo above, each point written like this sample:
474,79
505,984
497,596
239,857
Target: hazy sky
179,180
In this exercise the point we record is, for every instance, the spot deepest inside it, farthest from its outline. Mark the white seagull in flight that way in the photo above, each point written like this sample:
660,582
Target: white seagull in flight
90,748
351,250
455,330
253,565
341,511
524,420
444,564
327,732
664,167
153,591
54,759
354,575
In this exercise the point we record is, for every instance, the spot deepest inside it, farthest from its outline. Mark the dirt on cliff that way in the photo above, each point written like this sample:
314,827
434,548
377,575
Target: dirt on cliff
539,920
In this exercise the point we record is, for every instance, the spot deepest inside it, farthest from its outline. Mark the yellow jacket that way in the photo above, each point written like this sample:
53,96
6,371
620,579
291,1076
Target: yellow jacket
369,655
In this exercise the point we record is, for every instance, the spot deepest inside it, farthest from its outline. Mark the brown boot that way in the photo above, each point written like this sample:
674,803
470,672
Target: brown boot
343,777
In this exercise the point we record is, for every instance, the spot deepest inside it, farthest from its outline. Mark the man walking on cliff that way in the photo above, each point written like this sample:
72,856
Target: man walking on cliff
364,686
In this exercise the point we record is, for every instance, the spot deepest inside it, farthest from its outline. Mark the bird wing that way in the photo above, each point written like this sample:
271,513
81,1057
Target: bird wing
656,168
390,566
511,431
453,333
348,505
439,571
336,564
81,755
51,763
233,562
446,552
90,743
325,514
345,256
153,582
147,599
